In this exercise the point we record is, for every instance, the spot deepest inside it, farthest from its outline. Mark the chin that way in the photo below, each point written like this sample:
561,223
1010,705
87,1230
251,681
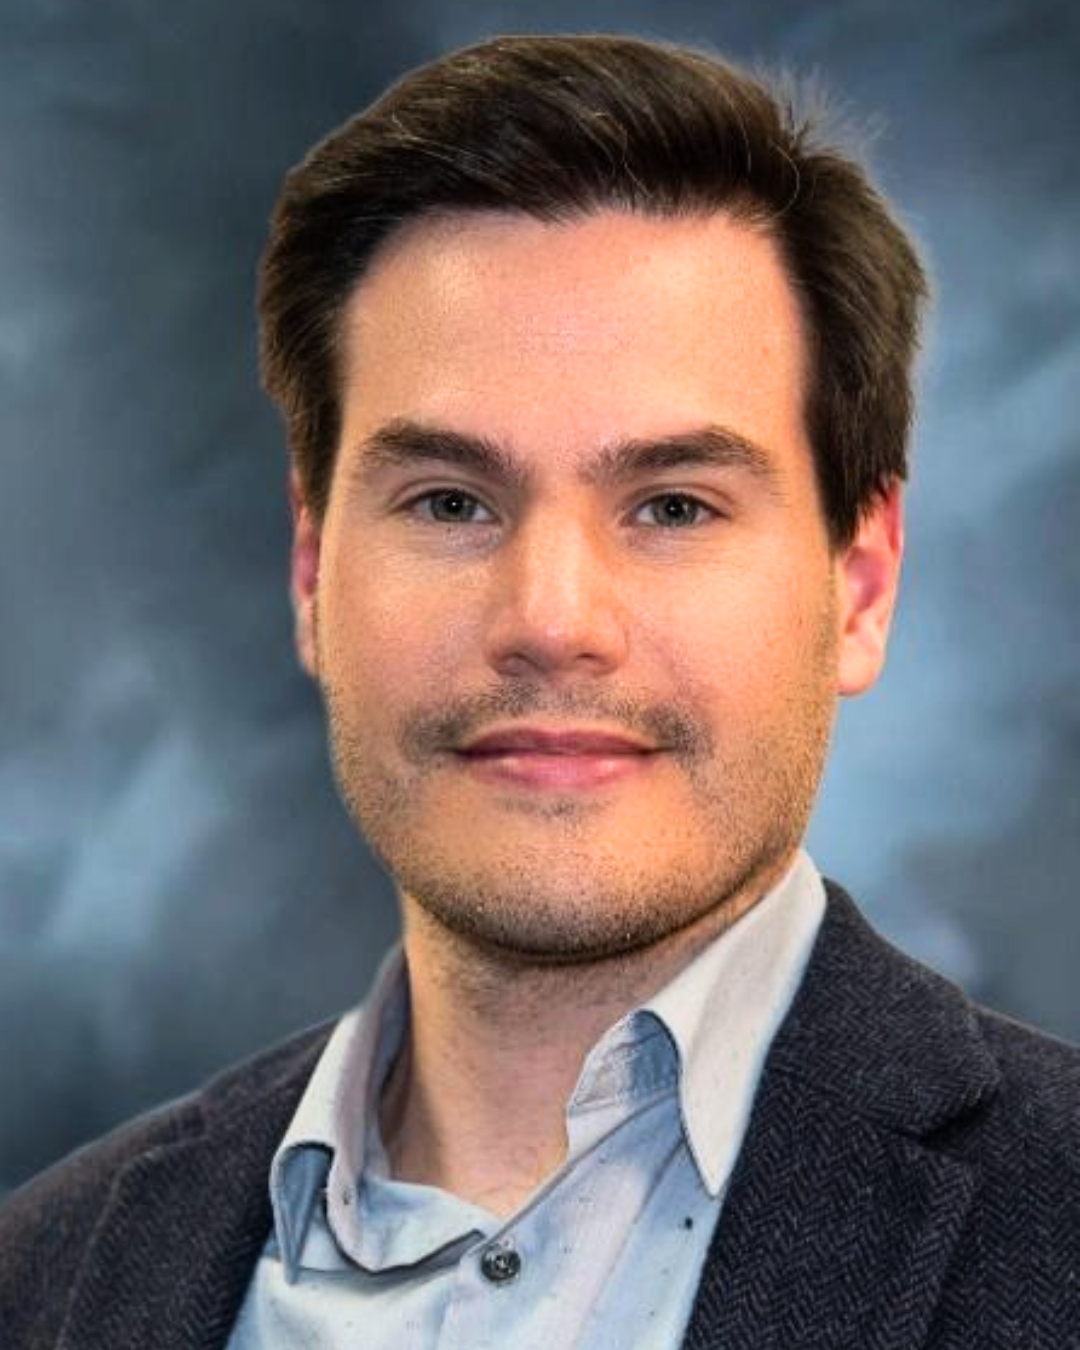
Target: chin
578,925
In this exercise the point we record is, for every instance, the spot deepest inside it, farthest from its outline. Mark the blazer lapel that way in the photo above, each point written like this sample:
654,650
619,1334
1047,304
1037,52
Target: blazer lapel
178,1241
845,1204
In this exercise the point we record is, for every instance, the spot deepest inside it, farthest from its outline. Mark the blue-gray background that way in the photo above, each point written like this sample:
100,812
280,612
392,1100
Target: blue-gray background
178,883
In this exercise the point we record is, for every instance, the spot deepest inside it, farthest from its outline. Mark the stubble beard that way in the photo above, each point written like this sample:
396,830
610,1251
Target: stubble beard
576,902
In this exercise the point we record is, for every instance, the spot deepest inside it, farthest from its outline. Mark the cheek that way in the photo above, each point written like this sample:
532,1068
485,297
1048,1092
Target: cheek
384,634
746,645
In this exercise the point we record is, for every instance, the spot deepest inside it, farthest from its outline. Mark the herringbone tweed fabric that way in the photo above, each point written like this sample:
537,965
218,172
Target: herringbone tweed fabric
910,1178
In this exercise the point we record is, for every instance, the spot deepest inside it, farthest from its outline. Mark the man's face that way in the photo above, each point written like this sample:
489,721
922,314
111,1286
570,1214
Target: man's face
691,603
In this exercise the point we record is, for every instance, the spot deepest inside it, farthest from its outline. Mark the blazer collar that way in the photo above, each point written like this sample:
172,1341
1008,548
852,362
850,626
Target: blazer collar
846,1202
185,1221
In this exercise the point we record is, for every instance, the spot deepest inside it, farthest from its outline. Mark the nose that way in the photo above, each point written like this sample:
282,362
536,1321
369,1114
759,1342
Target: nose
556,605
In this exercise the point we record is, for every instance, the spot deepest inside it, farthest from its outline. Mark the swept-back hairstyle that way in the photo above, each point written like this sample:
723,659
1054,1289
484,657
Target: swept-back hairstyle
556,128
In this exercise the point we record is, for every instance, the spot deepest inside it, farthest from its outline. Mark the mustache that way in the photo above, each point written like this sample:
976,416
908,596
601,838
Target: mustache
444,727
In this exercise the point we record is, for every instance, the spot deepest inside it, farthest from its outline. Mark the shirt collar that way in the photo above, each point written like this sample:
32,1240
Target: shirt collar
719,1013
723,1010
325,1143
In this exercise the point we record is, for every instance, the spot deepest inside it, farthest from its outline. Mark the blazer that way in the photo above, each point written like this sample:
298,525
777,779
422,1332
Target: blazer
910,1178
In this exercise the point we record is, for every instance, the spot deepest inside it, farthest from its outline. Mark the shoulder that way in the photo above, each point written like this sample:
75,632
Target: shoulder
46,1224
892,1051
1019,1252
902,1044
1036,1110
80,1178
1014,1114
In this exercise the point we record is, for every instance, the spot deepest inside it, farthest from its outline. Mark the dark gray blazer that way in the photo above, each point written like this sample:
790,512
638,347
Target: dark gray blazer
910,1178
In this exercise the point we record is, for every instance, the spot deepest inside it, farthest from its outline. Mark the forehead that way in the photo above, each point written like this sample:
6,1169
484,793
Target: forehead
596,329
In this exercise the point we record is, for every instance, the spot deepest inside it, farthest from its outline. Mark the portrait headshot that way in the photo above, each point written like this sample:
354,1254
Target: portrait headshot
541,781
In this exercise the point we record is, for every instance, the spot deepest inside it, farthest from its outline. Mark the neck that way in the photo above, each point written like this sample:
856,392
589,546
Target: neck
476,1102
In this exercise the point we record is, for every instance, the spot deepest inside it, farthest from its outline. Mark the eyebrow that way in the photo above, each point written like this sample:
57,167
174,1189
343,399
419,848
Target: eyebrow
403,443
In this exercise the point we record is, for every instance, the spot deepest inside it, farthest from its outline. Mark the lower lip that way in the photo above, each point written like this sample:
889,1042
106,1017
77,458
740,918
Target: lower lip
532,770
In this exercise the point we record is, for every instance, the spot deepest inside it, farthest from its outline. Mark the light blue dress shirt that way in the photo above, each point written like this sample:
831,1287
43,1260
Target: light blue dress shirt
607,1252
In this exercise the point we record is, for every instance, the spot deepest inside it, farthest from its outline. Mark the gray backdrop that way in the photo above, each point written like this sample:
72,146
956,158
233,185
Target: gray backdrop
178,883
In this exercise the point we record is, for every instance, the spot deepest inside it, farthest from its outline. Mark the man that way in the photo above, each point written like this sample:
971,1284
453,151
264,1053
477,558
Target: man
596,371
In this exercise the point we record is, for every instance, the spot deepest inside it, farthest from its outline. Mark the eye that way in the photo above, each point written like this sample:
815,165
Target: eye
680,510
450,506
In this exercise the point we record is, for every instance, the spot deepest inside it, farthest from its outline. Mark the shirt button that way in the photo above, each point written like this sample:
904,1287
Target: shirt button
500,1264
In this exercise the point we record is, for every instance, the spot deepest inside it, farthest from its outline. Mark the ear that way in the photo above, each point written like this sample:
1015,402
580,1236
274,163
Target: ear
304,575
868,574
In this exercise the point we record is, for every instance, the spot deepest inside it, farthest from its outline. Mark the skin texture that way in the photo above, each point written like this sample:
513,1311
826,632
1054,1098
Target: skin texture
721,632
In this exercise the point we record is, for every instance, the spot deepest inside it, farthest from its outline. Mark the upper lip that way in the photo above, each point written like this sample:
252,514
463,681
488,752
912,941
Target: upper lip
555,741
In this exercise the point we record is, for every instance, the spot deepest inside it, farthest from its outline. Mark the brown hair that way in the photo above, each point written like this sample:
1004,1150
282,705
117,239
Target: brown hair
557,127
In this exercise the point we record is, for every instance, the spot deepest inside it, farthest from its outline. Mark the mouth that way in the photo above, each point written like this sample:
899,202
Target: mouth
560,769
555,740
